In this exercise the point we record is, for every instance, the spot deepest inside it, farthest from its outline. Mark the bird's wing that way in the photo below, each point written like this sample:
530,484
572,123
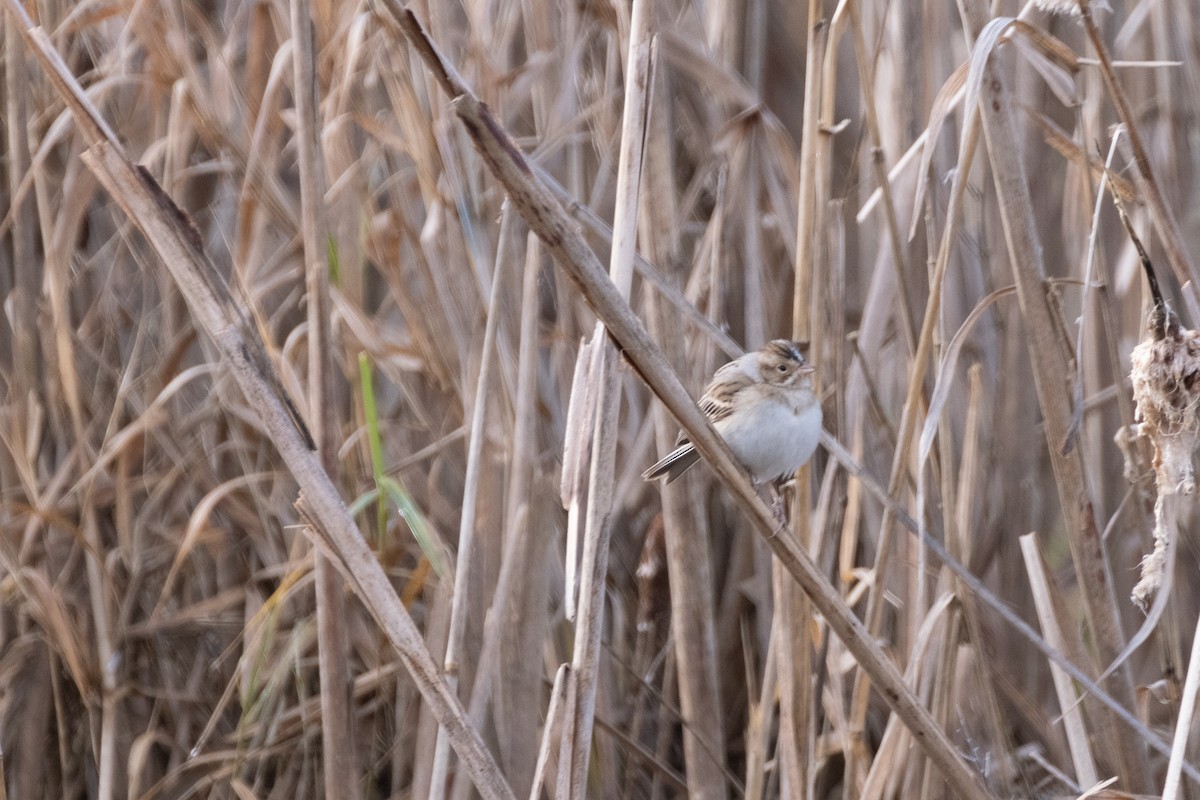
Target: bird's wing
720,396
717,403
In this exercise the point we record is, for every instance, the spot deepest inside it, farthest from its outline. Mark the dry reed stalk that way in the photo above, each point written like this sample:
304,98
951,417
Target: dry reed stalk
553,720
815,53
339,761
1183,724
689,564
582,681
514,597
577,437
467,554
210,594
1161,214
866,78
760,719
215,308
21,217
1025,255
913,402
1073,723
547,218
792,642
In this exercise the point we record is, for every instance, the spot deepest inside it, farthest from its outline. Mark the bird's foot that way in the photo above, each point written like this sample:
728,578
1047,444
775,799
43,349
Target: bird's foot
777,509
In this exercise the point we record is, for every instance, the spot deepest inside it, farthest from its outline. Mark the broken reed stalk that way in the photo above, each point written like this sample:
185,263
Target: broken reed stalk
1068,699
1049,367
339,761
1183,723
216,310
582,681
547,218
467,555
518,532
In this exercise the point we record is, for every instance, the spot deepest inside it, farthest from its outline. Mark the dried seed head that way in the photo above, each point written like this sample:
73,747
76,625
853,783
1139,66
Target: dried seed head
1165,371
1154,564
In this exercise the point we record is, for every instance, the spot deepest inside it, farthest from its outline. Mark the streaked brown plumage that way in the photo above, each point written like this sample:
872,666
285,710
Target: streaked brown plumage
763,405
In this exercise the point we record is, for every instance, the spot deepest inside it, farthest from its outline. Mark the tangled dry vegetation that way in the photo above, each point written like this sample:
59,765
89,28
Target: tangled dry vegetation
911,189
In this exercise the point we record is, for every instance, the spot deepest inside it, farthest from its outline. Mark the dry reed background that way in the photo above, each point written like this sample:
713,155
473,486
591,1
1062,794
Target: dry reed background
166,625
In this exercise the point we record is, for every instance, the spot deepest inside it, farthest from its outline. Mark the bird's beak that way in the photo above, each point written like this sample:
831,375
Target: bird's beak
807,369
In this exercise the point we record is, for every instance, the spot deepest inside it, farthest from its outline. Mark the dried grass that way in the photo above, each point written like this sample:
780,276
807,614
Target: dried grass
172,626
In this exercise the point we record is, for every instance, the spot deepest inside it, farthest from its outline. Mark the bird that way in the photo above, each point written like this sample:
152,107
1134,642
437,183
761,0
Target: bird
764,407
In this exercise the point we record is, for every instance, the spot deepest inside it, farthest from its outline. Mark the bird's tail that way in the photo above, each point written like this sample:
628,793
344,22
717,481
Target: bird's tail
674,464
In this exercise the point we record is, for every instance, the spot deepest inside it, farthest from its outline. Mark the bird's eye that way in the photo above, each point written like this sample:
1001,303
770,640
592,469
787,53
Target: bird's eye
782,368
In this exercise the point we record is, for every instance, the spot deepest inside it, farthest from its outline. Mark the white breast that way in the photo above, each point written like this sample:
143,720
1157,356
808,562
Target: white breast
774,439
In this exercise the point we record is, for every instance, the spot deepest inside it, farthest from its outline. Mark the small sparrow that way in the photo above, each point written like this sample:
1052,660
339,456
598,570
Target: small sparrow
764,407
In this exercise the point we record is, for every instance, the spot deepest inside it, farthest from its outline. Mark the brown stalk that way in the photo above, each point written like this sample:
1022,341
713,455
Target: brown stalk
688,554
214,307
554,720
24,286
866,78
1161,214
913,404
794,648
689,569
339,756
580,707
514,585
464,569
1073,723
522,688
1049,367
546,217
